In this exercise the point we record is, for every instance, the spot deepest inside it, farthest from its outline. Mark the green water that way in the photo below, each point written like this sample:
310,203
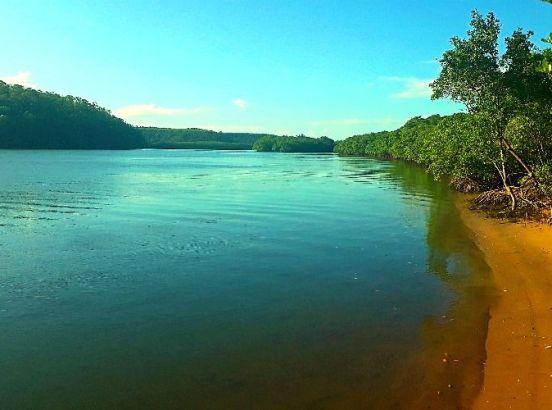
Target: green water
205,279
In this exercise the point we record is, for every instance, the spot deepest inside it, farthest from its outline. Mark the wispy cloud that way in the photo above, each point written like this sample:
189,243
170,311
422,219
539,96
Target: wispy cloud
413,87
22,78
240,103
152,110
355,121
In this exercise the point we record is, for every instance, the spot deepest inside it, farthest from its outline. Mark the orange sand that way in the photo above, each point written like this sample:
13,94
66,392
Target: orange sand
518,369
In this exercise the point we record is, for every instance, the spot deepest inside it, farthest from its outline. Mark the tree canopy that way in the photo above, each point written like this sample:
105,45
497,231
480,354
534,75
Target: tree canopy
504,138
198,138
300,143
32,119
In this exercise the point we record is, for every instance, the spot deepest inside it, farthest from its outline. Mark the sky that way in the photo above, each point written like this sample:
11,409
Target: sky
334,68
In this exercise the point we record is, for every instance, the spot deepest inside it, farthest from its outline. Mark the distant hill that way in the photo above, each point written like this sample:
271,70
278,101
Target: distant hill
197,138
32,119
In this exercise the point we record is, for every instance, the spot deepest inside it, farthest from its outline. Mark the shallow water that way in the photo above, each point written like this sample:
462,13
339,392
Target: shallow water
206,279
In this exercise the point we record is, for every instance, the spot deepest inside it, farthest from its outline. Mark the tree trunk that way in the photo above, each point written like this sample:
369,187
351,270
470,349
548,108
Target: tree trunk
512,196
504,176
526,167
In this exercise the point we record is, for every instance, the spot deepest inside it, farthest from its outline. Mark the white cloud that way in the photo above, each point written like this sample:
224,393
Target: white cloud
22,78
143,110
240,103
413,87
355,121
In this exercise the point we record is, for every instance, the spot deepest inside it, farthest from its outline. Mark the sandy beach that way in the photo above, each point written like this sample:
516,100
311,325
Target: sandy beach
518,368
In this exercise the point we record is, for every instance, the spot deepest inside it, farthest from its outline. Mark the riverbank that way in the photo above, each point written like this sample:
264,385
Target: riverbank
518,368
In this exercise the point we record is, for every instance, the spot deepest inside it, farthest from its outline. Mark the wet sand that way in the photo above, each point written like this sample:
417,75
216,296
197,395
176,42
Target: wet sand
518,368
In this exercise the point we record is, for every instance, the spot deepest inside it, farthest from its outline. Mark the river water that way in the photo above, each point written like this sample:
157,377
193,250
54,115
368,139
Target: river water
234,280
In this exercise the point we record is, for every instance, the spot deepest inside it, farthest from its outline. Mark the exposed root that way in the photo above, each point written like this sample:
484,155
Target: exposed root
465,185
531,203
495,198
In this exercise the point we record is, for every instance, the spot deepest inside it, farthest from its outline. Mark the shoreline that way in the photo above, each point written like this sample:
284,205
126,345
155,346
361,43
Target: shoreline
518,368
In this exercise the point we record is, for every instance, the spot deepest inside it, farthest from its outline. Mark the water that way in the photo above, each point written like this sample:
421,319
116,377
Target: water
205,279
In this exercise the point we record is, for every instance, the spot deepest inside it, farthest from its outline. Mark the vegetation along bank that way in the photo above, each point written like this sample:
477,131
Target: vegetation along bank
502,144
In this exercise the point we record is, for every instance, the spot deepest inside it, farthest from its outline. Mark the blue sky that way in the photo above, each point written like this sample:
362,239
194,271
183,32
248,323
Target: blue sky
334,68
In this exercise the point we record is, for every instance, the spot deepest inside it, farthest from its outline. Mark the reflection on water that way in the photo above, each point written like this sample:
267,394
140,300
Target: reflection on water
201,279
450,365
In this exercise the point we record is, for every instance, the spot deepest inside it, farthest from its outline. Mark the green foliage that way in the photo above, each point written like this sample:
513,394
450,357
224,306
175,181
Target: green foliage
497,86
470,71
32,119
456,146
301,143
544,174
410,143
530,134
217,145
447,146
375,145
546,65
510,94
504,139
197,138
205,139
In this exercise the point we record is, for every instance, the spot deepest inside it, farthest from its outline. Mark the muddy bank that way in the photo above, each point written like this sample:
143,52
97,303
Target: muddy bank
518,368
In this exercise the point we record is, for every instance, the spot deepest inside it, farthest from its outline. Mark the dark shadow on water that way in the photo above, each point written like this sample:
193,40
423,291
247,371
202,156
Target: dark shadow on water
448,372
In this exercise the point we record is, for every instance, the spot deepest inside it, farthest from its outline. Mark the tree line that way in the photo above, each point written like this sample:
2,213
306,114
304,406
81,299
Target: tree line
300,143
503,140
197,138
32,119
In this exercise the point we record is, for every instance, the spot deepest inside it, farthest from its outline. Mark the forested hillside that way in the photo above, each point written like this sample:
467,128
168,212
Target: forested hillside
197,138
32,119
